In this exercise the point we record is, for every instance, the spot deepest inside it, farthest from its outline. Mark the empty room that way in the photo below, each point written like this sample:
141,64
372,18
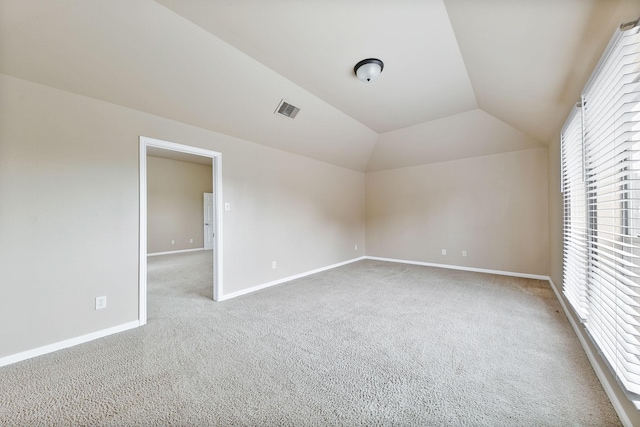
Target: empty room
409,212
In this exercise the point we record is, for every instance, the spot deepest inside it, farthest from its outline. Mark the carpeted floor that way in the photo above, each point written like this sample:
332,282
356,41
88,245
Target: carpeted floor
370,343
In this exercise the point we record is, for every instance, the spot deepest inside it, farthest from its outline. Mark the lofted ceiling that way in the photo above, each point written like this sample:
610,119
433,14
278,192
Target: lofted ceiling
462,78
315,44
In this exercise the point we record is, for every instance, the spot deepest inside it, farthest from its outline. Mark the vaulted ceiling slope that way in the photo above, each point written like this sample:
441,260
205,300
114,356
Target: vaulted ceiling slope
462,78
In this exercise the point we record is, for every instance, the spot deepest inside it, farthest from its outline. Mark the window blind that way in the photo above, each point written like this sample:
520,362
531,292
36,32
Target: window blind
575,214
602,278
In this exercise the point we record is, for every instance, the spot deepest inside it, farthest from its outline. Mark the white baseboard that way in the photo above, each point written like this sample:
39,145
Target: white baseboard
14,358
593,359
175,252
286,279
458,267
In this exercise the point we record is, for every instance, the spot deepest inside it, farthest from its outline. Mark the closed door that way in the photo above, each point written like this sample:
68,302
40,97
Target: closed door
208,221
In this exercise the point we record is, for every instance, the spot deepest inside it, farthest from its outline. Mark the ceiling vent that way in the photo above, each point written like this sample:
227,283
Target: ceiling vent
287,110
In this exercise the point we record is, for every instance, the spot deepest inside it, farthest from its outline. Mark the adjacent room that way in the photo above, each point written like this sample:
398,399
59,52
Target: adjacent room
180,210
319,213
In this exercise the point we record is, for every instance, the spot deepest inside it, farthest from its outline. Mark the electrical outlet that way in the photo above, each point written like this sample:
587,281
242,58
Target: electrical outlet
273,264
173,242
101,302
227,207
356,247
444,252
464,253
190,240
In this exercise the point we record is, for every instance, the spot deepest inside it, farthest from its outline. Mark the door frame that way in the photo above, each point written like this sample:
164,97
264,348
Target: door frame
216,176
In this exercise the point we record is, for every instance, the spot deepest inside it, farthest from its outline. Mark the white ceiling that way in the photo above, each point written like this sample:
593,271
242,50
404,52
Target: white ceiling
462,77
528,60
315,44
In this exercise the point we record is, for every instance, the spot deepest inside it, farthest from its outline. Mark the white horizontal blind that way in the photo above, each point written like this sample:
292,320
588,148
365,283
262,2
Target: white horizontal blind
611,108
575,214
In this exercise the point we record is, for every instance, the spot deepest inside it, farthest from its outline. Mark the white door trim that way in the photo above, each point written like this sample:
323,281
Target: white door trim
216,159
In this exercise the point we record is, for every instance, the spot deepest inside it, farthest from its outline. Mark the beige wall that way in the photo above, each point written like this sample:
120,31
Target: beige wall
175,208
69,212
494,207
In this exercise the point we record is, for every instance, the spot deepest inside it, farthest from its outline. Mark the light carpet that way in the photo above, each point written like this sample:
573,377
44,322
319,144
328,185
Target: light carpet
370,343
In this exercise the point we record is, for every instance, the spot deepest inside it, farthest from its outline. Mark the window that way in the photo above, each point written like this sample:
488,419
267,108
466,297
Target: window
601,193
575,214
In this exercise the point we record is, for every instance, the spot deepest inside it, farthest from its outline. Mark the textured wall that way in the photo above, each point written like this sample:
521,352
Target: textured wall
69,212
494,207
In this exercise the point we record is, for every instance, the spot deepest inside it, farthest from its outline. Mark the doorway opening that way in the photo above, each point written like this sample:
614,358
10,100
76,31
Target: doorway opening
149,144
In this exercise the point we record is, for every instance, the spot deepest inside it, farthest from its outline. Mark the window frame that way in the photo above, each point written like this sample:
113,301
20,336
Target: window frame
607,298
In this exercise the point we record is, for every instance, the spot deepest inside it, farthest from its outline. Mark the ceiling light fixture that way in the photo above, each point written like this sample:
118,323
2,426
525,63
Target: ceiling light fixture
368,69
